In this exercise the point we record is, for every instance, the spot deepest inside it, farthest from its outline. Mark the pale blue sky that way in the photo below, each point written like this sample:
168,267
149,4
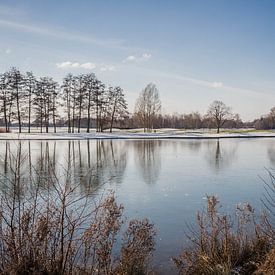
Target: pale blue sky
194,51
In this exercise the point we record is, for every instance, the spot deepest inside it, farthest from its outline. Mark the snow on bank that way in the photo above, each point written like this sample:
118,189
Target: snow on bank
160,134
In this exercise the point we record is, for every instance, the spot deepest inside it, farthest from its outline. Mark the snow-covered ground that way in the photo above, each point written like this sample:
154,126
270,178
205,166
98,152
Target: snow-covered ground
134,134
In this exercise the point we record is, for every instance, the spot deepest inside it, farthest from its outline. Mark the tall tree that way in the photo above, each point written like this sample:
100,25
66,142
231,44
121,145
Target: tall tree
53,92
90,88
80,98
117,105
98,101
39,102
219,113
17,83
5,98
30,84
67,96
148,106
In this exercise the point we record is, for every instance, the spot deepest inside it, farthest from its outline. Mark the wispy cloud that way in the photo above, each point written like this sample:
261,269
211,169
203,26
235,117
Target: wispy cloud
217,85
11,11
76,65
61,34
138,58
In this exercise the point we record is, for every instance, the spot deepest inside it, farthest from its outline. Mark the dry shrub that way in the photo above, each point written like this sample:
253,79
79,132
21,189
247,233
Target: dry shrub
54,230
221,247
268,200
138,245
268,265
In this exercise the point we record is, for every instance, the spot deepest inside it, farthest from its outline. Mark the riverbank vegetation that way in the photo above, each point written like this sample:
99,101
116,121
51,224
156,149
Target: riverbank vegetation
242,244
47,227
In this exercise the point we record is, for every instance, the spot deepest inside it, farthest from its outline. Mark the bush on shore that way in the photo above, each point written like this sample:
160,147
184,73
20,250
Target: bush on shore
52,229
220,246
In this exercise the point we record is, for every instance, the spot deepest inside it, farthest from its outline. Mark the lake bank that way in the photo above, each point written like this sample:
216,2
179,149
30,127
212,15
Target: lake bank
164,134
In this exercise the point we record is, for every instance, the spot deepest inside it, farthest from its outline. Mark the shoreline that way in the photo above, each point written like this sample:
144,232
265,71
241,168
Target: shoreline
132,136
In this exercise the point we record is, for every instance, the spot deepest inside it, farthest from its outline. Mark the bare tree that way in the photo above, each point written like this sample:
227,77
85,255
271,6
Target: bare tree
6,98
16,84
219,113
30,84
80,99
67,97
90,87
148,106
117,104
99,100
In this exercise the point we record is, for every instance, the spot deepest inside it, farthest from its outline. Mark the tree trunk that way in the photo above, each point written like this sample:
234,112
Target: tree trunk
73,115
112,119
69,113
79,116
54,122
29,123
5,115
41,120
18,108
89,115
97,126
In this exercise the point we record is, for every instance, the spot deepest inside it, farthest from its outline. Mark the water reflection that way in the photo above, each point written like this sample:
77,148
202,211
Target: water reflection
194,145
148,158
271,155
88,164
219,155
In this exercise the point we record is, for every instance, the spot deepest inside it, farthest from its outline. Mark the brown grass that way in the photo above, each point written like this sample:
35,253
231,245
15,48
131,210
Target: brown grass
54,230
221,247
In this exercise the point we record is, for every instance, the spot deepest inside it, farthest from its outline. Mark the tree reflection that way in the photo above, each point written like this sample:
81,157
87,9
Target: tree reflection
271,155
96,162
13,170
221,156
148,158
85,164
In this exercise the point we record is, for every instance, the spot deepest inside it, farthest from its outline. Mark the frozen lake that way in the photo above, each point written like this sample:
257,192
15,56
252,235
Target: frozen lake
163,180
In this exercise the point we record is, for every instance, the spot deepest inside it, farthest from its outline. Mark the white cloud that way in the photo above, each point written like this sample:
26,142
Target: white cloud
131,58
88,66
139,58
76,65
105,68
216,84
146,56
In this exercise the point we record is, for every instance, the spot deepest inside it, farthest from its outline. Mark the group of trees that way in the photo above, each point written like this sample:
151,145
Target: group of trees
83,101
147,114
85,96
267,121
30,101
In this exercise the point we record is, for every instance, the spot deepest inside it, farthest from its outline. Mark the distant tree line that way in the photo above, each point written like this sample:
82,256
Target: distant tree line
147,114
30,101
266,122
